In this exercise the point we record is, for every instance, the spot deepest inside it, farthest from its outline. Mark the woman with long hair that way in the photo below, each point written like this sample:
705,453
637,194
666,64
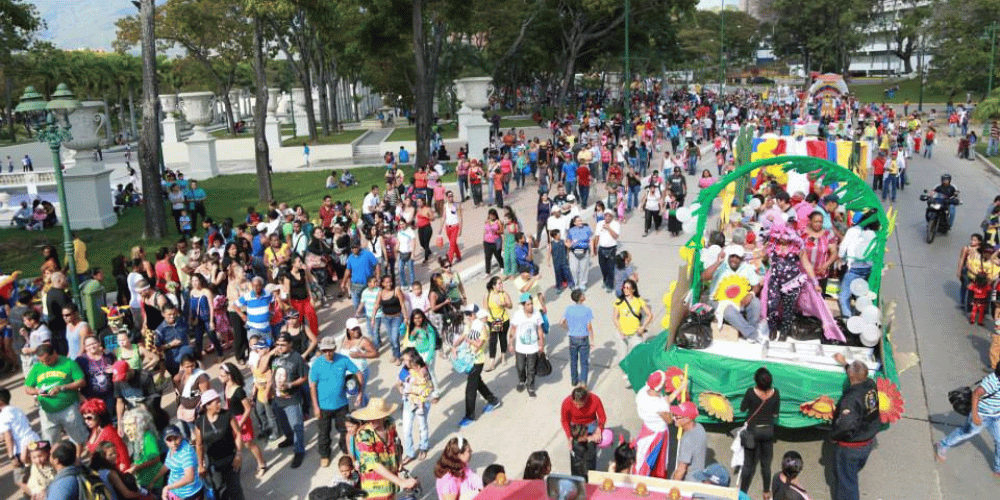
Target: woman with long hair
139,252
296,285
624,269
98,422
421,335
424,229
359,349
538,465
50,263
492,231
510,229
201,316
218,447
392,304
238,403
631,317
143,446
496,303
236,286
455,479
762,403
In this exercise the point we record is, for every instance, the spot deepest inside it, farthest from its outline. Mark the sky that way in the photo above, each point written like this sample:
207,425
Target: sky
90,24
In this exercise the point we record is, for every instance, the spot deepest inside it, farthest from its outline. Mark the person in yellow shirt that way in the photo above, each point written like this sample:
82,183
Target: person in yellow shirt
79,259
631,317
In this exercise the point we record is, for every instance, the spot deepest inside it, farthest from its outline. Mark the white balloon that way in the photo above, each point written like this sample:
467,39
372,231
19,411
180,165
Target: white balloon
871,335
684,214
855,324
710,255
870,296
748,212
694,207
690,226
862,304
754,203
871,315
859,287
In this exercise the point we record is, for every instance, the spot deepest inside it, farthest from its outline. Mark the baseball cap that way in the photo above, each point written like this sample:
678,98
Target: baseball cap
327,344
352,323
715,474
736,250
119,370
525,297
171,431
470,309
260,344
685,409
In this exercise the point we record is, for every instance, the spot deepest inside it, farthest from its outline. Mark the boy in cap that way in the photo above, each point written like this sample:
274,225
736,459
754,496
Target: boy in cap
326,385
527,340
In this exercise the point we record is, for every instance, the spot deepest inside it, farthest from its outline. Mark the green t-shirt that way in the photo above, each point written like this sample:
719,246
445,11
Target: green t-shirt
44,377
150,450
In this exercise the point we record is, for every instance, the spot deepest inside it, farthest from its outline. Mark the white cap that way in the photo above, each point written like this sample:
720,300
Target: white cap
482,314
737,250
353,323
570,198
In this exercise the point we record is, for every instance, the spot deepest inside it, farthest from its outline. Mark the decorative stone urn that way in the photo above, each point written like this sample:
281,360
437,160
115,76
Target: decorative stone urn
85,123
272,128
197,107
299,112
472,127
272,101
168,104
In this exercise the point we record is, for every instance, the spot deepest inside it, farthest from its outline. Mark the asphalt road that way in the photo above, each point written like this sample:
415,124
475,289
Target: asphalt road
920,277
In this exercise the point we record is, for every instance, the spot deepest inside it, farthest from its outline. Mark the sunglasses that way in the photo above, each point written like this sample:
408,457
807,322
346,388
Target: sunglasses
88,417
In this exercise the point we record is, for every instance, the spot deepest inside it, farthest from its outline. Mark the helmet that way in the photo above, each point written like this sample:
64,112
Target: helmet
945,177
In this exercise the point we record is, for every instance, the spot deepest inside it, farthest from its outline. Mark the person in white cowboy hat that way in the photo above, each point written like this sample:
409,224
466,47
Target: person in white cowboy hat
327,378
378,456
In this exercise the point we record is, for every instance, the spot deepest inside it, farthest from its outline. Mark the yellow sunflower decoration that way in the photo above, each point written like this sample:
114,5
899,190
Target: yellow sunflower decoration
732,288
821,408
716,405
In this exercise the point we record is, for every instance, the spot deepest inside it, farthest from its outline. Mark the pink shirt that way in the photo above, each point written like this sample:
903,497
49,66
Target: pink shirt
451,485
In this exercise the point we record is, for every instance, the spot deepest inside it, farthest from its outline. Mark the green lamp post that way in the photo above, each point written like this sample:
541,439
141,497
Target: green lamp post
54,133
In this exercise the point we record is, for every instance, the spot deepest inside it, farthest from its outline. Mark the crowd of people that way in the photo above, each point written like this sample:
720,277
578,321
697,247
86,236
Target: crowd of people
255,286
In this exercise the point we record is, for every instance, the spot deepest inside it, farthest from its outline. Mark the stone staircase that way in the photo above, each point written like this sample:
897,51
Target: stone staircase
369,147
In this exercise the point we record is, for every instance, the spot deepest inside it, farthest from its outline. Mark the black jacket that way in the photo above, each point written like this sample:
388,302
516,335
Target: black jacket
857,419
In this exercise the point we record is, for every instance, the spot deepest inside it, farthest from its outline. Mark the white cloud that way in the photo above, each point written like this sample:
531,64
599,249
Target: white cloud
82,24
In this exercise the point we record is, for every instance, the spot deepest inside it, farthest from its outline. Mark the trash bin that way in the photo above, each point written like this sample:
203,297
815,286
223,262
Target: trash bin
93,298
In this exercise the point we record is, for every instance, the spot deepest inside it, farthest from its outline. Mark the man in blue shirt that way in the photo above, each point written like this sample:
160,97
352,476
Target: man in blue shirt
172,338
404,155
326,384
195,196
569,174
361,264
675,137
578,238
578,321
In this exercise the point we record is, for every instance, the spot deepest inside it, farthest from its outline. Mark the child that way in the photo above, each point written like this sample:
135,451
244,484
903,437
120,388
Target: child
348,474
185,221
963,147
498,184
15,430
523,255
980,288
559,253
624,457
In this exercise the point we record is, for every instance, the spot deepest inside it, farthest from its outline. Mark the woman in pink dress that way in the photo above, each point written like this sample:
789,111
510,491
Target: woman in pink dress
455,480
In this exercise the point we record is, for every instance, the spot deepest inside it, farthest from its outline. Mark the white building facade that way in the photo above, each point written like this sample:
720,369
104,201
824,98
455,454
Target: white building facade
876,57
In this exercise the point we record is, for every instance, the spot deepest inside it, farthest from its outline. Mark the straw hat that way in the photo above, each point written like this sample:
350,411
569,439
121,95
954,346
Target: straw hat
377,409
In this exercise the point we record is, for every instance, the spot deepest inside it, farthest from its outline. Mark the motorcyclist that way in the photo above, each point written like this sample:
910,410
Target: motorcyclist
947,191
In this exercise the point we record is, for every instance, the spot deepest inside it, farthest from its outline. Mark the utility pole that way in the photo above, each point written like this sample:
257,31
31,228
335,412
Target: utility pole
722,48
628,72
920,61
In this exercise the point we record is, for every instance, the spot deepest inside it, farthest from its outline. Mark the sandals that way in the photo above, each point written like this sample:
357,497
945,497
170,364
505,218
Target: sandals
261,471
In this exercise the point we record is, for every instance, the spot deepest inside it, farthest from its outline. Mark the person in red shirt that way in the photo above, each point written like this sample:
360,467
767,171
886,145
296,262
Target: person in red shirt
326,213
420,184
506,168
583,422
583,183
476,182
980,290
878,171
929,142
614,174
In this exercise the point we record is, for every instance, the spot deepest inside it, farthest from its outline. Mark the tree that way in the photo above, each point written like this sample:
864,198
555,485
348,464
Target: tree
962,51
906,30
262,155
213,32
149,141
824,33
18,23
698,36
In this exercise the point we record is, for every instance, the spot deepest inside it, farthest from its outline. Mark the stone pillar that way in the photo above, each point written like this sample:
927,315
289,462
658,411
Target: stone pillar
299,112
272,129
201,146
472,127
88,194
171,126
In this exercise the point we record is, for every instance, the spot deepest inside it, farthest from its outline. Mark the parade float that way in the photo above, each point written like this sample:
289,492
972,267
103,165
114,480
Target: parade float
826,89
603,486
804,371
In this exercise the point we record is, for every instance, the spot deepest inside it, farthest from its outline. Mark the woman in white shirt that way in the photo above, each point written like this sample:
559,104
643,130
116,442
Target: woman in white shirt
405,238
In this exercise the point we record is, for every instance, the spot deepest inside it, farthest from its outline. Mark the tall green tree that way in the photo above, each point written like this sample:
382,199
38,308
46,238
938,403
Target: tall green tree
824,33
962,49
19,22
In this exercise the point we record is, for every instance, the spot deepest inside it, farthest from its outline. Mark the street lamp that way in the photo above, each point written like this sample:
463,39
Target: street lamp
722,48
991,30
51,131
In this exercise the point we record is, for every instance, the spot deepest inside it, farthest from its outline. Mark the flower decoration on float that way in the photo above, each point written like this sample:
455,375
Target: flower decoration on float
716,405
890,401
821,408
733,288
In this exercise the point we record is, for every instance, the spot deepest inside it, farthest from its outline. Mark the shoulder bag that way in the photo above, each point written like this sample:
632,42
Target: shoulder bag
543,367
762,432
961,400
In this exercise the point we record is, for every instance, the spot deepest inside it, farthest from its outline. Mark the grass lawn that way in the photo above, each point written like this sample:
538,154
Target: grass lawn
908,90
981,149
228,196
410,133
522,123
345,137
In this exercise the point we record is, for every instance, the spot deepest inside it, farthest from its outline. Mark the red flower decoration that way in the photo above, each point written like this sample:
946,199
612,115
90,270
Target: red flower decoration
890,402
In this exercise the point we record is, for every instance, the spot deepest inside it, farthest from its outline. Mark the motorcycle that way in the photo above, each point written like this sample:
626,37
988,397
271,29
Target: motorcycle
936,213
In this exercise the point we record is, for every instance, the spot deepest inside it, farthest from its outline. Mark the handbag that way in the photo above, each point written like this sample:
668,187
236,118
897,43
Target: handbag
961,400
749,435
543,367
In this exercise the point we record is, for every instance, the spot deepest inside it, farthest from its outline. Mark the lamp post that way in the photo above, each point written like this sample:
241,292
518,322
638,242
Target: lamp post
628,74
722,48
54,133
991,30
920,61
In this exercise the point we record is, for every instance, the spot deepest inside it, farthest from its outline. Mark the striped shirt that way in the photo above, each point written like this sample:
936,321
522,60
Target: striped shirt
368,298
989,404
178,461
258,309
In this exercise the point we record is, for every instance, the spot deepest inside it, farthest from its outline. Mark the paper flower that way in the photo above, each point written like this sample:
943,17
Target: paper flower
821,408
716,405
732,288
890,401
675,377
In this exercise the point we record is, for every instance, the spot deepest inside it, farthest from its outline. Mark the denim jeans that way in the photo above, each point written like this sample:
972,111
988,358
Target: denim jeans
993,147
970,430
417,412
633,198
854,272
290,417
579,268
406,274
374,332
570,188
356,289
928,150
563,275
392,324
889,188
584,195
848,462
738,319
579,352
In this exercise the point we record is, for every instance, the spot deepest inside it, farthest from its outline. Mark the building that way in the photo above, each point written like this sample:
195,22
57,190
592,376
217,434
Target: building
758,9
876,57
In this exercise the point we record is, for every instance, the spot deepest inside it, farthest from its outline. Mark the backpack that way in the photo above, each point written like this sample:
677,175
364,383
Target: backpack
90,485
